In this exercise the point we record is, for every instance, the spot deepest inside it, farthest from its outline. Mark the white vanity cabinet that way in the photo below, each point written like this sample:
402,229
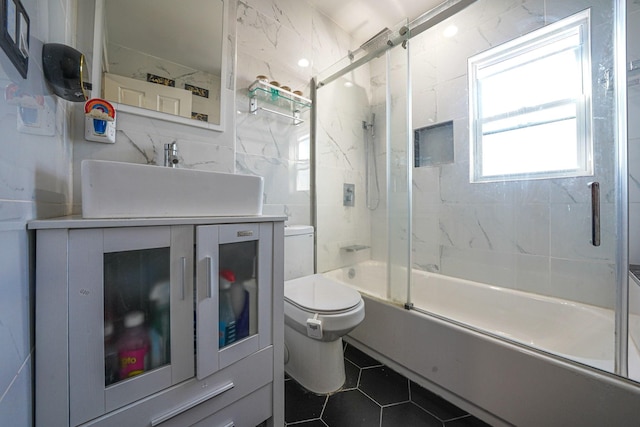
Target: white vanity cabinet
145,322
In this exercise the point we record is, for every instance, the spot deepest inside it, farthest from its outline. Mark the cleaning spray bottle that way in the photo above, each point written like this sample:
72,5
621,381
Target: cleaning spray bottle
249,315
227,321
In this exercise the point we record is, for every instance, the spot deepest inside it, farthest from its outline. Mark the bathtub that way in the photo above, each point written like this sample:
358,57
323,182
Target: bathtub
494,327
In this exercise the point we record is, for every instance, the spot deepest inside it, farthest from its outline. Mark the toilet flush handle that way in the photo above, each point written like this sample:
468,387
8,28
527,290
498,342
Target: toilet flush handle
314,327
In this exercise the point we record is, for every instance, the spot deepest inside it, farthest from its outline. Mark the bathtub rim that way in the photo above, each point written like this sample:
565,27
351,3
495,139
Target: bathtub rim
605,314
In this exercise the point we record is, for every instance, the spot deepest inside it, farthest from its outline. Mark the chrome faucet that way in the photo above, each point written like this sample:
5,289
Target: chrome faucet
171,155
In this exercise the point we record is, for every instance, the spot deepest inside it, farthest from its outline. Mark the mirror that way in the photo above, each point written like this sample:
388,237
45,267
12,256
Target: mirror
162,58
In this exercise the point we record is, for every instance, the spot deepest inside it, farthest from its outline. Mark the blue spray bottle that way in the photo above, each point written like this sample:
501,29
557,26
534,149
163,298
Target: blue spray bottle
227,320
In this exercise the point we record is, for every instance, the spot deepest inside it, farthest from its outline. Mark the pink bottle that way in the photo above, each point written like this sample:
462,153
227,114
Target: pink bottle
133,346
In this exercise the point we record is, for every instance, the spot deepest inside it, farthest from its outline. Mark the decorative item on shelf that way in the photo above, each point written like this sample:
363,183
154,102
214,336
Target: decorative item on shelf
262,78
100,121
65,70
273,93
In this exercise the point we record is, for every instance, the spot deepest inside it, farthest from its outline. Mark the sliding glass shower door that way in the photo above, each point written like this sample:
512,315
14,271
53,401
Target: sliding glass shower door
500,140
521,192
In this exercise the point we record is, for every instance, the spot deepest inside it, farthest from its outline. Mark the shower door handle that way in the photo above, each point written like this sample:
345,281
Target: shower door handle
595,213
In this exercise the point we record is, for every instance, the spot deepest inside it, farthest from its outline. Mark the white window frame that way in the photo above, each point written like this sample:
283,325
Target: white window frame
519,51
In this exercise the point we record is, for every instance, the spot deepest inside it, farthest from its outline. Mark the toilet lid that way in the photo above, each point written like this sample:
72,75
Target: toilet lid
318,294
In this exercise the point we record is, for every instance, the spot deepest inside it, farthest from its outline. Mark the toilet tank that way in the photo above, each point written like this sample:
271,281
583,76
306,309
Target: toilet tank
298,251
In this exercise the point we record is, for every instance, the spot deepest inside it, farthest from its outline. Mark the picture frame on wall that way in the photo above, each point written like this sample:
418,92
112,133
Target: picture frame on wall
14,36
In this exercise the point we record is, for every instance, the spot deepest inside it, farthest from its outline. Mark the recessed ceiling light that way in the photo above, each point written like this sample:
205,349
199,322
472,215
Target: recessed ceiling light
450,31
348,84
303,62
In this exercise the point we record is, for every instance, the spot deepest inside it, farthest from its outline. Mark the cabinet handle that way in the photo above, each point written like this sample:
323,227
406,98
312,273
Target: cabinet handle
209,275
595,213
192,404
184,277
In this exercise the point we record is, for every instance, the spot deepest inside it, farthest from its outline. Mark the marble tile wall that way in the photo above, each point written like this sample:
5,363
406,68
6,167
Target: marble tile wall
340,159
34,183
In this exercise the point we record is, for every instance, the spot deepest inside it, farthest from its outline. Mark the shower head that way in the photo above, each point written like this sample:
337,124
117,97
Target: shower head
376,41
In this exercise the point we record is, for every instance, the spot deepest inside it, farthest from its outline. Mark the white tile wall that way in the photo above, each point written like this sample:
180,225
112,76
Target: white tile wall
34,183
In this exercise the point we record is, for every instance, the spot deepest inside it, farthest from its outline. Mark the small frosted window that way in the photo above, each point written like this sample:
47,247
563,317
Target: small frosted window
530,105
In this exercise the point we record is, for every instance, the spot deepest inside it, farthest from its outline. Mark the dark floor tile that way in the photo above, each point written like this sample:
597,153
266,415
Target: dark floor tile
468,421
314,423
359,358
351,409
352,374
384,385
408,415
300,404
434,404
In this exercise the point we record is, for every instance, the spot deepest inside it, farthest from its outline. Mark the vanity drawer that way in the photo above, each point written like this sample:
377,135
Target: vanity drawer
247,412
194,401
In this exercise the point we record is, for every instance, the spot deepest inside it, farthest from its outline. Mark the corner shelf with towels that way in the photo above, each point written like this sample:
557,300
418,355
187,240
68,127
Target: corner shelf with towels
274,95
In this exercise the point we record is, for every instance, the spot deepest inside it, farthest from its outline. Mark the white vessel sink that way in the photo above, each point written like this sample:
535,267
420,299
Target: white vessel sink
131,190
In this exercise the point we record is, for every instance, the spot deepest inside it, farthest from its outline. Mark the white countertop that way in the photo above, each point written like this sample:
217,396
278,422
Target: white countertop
76,221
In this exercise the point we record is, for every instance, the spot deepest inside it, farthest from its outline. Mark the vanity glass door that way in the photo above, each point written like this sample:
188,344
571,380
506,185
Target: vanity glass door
137,318
131,315
233,293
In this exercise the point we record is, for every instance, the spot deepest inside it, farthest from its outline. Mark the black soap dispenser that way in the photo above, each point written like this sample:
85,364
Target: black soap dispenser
64,69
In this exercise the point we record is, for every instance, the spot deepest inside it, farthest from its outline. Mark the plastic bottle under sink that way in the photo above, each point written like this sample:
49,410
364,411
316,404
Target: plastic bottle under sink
227,319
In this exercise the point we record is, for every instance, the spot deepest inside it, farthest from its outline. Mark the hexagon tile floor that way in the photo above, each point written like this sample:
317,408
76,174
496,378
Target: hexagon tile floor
373,396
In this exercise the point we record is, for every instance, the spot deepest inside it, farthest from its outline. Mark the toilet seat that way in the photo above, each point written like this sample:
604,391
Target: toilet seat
339,307
317,294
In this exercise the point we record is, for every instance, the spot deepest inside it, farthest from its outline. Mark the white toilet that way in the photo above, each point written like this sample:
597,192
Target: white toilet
317,313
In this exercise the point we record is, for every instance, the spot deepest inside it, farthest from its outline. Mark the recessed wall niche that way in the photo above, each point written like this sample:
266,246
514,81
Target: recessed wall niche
433,145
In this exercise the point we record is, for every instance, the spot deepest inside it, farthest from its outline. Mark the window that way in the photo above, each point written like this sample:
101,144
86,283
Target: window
530,105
